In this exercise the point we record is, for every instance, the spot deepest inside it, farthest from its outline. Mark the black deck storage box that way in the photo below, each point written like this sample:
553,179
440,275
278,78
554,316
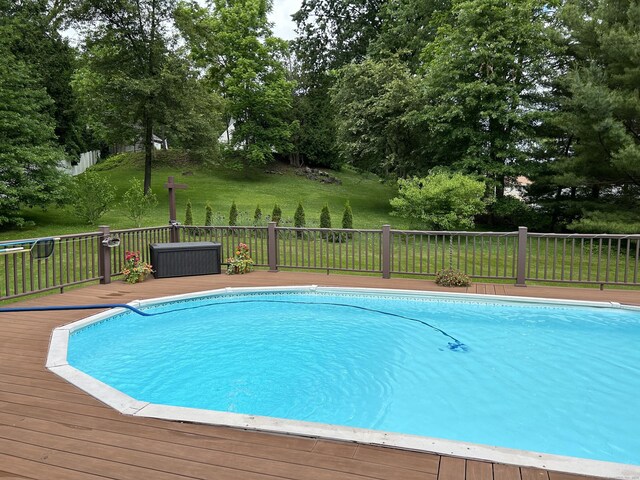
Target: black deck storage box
184,259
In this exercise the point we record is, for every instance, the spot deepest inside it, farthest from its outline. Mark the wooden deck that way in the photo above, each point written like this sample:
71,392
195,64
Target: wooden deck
51,430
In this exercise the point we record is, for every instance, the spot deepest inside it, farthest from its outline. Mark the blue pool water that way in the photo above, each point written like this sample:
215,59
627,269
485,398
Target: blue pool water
561,380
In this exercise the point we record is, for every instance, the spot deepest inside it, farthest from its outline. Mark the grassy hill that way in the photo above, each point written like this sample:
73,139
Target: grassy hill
266,186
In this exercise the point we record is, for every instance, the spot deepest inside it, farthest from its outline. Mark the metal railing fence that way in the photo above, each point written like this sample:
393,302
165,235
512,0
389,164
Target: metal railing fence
505,256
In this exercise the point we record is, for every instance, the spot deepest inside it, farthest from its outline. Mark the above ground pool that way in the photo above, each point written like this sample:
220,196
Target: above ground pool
560,378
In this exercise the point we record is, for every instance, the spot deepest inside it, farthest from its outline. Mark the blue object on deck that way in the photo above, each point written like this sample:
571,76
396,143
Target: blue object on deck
76,307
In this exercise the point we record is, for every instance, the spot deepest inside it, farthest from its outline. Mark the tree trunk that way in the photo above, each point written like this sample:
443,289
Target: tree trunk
148,150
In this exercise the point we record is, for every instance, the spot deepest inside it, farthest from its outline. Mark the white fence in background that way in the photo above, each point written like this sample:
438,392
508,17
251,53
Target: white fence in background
87,159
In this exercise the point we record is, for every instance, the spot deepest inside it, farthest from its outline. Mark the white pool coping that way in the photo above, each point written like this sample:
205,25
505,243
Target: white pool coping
58,364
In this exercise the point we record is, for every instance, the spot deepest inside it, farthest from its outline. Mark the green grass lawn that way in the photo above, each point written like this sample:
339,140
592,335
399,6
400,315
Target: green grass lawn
368,196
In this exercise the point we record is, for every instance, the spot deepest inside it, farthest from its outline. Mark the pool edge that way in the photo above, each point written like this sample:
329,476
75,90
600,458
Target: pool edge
57,363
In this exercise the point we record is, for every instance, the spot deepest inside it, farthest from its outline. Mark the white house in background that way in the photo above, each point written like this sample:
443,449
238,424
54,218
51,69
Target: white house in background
228,133
158,144
515,187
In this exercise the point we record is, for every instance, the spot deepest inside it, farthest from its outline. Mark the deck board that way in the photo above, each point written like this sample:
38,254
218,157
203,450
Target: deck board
51,430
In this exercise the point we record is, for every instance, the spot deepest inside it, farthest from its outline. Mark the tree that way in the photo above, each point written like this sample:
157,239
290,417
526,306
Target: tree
29,154
233,215
137,203
36,40
325,217
378,125
134,81
441,200
188,215
208,217
298,217
257,215
347,216
602,112
276,214
92,196
485,76
234,45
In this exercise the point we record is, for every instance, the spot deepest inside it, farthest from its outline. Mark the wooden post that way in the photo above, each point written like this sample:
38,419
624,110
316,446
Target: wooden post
521,273
104,256
272,246
386,251
171,186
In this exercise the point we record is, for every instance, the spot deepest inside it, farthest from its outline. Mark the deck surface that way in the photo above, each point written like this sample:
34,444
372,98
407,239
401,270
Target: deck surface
51,430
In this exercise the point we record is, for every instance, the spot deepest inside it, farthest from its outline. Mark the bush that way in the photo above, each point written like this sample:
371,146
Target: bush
441,200
325,217
233,215
298,217
347,216
92,196
509,212
257,215
208,217
188,216
452,278
136,203
276,214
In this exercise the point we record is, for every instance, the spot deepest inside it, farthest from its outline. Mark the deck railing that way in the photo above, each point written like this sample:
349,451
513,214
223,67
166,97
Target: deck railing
517,256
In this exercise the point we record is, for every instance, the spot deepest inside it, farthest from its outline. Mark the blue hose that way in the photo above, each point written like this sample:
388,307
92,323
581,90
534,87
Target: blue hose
77,307
455,345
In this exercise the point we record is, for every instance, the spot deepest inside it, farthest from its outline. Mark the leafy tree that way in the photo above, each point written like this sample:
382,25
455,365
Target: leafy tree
233,214
332,33
276,214
234,44
29,154
92,196
137,203
208,218
35,39
134,81
485,75
441,200
188,216
378,125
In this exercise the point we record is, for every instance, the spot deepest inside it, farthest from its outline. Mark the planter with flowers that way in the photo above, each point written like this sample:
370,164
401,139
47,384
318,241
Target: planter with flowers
134,269
241,262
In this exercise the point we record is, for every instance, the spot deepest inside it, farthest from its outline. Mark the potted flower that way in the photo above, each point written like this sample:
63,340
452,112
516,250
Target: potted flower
241,262
134,269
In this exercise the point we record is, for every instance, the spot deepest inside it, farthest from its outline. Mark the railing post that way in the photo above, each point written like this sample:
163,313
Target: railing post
386,251
104,256
174,233
522,257
272,247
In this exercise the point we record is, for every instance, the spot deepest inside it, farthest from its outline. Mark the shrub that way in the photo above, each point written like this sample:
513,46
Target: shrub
208,217
233,215
188,216
136,203
92,196
257,215
276,214
298,217
347,216
452,278
325,217
441,200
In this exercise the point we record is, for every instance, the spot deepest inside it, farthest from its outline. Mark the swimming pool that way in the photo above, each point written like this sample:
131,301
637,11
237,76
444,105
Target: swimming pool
553,377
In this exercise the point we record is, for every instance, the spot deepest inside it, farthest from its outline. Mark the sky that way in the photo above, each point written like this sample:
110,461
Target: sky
281,17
